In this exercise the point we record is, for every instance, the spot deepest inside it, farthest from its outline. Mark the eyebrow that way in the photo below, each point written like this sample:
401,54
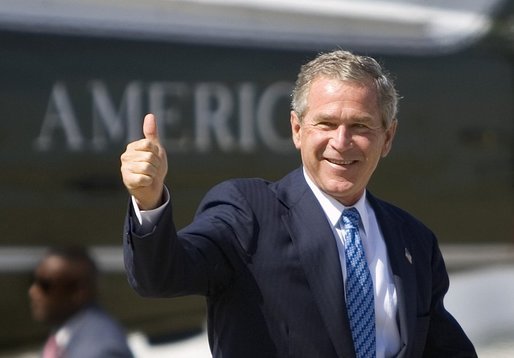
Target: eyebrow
328,117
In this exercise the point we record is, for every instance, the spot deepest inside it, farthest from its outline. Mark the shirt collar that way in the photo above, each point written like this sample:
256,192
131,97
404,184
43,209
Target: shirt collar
62,336
65,332
333,208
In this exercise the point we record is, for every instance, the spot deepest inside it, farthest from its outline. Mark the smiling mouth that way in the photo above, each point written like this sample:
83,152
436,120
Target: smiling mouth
341,162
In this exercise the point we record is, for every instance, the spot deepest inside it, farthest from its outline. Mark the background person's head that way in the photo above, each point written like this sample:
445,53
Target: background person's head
64,282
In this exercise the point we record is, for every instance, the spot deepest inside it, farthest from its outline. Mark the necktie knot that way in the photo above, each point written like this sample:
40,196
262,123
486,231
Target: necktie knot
350,218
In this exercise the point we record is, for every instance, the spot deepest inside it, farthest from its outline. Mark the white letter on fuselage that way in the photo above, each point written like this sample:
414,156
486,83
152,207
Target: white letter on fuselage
59,113
216,118
108,123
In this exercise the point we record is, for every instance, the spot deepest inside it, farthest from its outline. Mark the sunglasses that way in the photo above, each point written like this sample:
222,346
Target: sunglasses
48,285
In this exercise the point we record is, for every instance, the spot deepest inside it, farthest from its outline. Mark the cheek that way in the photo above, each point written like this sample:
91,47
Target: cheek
372,146
40,310
314,140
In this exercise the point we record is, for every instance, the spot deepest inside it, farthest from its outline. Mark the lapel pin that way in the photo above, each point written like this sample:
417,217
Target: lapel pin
408,256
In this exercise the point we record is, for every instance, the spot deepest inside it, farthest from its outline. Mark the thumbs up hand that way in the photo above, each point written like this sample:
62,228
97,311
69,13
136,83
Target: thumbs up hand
144,166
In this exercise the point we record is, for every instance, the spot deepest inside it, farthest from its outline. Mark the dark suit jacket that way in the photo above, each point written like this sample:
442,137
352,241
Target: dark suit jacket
265,257
95,334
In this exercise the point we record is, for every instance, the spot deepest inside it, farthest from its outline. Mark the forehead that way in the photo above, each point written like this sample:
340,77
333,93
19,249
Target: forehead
328,87
328,94
55,267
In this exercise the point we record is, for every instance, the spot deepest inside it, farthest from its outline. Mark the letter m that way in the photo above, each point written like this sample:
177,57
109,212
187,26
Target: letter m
108,122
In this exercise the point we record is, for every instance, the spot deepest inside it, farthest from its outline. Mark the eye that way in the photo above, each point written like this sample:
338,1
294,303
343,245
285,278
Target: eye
360,126
44,284
363,127
326,125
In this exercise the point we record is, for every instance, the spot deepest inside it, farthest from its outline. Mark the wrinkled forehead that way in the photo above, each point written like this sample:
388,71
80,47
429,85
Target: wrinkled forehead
332,89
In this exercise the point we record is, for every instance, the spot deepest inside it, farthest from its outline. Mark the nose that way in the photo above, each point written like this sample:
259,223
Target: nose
31,290
342,138
34,291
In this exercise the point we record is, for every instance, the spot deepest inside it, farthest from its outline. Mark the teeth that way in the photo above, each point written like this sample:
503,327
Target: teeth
341,162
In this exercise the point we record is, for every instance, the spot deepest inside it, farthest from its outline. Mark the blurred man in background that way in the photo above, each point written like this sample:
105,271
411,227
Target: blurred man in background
63,296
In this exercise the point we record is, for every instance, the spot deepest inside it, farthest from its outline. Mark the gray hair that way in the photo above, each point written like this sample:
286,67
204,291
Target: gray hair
346,66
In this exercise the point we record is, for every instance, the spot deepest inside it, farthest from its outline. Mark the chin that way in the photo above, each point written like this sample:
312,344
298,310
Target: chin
346,194
337,187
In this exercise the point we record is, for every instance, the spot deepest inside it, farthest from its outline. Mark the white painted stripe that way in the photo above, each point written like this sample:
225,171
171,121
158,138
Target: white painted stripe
15,259
110,258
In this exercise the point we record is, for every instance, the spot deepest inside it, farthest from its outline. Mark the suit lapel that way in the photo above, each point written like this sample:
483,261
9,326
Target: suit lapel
314,239
402,267
315,243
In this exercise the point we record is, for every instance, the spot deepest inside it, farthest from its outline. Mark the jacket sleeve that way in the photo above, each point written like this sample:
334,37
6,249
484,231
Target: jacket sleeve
445,337
195,260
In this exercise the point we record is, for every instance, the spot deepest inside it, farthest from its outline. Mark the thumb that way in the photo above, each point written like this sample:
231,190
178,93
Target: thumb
150,128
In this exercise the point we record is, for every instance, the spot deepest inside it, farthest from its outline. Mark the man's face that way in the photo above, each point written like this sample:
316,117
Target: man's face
341,137
52,292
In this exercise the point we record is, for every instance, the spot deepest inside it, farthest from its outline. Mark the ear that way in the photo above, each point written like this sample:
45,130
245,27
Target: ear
296,129
82,295
390,133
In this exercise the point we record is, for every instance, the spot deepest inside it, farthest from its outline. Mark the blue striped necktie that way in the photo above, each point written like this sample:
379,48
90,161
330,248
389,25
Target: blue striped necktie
359,288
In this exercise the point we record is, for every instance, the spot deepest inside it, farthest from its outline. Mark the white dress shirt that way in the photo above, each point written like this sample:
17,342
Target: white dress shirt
387,333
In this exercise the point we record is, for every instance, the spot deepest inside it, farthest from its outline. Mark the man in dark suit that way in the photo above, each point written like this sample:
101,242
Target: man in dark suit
63,296
312,265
